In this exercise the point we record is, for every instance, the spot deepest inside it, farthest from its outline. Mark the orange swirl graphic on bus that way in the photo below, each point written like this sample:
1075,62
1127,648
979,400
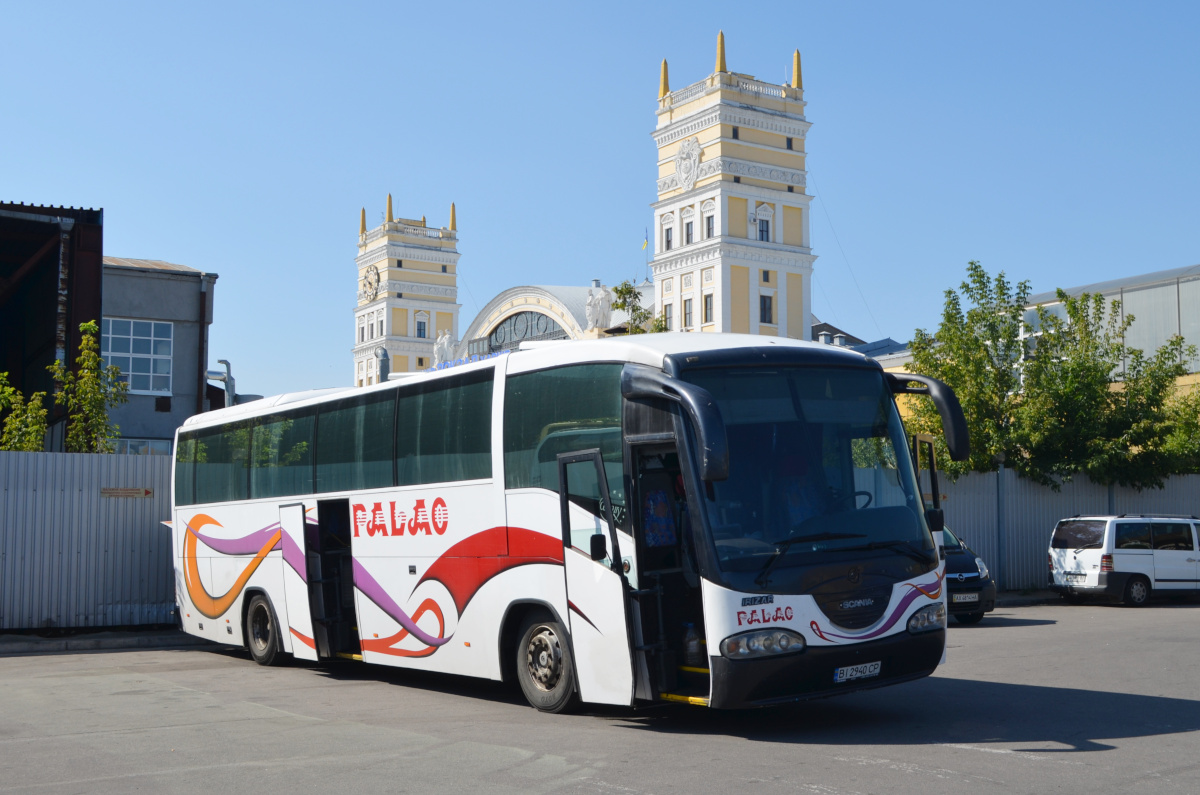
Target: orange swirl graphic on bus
208,605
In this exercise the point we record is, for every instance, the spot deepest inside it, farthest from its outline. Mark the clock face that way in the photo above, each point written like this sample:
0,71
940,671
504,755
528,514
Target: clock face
371,283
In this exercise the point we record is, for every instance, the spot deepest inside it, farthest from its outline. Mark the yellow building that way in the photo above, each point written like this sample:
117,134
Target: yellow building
408,293
732,248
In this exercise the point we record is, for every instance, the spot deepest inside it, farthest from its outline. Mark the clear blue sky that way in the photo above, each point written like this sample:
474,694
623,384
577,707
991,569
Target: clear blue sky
1055,141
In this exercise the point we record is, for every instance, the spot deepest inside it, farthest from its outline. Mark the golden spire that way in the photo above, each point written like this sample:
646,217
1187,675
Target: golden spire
389,210
721,52
453,219
663,87
797,78
423,221
362,222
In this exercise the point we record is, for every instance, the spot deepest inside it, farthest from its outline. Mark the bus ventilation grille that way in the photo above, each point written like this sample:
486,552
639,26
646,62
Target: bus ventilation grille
854,609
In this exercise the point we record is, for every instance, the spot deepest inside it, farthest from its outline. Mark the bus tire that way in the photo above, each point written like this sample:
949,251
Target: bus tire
544,666
262,631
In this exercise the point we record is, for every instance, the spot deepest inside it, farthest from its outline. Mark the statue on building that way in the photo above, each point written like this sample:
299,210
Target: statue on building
443,349
598,309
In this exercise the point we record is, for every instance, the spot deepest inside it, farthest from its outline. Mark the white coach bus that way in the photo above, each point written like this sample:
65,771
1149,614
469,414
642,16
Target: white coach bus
721,520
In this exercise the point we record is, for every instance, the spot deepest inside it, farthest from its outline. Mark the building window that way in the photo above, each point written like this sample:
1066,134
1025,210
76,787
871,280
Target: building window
667,317
764,309
421,329
789,143
735,133
791,189
142,351
707,309
687,233
766,277
708,226
687,313
667,239
381,328
737,180
142,446
443,269
764,230
420,362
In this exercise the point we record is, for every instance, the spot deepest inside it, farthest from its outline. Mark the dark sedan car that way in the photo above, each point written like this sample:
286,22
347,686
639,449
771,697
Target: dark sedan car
970,591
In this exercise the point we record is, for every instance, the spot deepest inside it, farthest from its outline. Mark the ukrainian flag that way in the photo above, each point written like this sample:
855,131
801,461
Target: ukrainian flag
646,240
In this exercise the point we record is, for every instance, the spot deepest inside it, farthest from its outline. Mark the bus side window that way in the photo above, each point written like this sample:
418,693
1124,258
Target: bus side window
222,455
354,443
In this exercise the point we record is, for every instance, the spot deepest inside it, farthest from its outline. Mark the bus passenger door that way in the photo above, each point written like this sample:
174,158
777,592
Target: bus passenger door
295,581
596,607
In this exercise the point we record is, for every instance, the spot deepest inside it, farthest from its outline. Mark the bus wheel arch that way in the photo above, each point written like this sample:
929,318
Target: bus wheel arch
260,628
537,623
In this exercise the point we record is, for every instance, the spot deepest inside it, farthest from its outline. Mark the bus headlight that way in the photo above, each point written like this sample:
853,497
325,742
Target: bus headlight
763,643
928,619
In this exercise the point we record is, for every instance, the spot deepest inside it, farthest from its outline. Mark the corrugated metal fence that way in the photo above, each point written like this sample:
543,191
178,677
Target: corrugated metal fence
979,504
74,551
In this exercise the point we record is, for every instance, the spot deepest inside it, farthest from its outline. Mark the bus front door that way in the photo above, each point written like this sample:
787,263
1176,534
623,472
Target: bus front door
596,591
292,525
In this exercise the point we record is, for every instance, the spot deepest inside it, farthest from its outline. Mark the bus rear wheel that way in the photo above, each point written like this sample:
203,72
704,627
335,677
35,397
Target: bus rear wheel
544,665
262,631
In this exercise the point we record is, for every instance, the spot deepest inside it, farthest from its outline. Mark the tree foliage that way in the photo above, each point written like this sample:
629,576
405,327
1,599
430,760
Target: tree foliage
975,350
25,422
1066,397
88,392
641,320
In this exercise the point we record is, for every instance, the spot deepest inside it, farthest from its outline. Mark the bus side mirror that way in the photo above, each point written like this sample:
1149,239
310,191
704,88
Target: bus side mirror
954,422
599,547
935,519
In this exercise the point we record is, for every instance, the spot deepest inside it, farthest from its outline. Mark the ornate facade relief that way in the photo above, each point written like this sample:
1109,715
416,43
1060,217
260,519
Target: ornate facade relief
687,163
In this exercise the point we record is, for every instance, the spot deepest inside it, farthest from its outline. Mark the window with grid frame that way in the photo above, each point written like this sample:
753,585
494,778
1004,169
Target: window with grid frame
687,313
141,349
706,310
765,315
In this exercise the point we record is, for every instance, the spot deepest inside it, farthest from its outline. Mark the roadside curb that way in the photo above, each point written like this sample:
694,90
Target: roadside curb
24,644
1016,599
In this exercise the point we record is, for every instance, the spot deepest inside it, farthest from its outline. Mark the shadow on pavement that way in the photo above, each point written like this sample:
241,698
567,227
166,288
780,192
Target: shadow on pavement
1000,621
944,711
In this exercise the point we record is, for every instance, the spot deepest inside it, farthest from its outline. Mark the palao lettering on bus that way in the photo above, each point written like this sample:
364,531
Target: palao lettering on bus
421,520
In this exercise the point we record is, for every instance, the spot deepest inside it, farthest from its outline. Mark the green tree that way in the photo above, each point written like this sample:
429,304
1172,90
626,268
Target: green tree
1078,414
641,320
88,393
25,423
977,351
1183,436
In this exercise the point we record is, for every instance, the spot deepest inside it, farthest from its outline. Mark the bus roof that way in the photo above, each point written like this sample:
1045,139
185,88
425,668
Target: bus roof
647,349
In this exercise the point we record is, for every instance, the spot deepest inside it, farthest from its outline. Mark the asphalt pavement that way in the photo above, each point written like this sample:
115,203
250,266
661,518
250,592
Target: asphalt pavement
1045,698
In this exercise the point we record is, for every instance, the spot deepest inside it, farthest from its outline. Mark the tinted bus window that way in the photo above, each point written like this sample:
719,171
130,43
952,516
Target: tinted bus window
281,455
221,456
557,411
444,431
354,443
185,471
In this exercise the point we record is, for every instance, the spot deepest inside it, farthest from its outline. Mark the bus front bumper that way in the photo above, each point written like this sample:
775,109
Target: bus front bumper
810,674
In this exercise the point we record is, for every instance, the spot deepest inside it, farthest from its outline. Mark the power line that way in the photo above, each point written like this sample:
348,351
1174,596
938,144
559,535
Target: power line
825,209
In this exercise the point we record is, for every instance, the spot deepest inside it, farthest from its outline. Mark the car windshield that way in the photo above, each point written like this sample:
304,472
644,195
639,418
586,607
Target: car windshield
817,463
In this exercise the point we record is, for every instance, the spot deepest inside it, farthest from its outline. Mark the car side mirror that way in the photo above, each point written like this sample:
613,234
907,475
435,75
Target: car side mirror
599,547
935,519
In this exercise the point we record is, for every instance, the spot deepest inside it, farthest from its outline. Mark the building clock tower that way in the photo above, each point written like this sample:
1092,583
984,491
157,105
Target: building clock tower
732,250
407,293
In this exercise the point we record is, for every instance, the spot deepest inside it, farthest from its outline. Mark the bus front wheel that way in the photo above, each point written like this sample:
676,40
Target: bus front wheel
262,631
544,666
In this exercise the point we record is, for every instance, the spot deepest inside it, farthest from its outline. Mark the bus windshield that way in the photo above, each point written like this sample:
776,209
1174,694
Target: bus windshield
817,464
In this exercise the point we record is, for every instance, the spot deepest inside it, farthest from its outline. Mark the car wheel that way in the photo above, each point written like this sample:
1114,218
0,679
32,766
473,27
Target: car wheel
262,633
968,618
1137,591
544,666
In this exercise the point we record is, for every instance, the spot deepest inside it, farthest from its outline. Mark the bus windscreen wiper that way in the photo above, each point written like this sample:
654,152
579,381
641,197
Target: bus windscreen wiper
903,547
785,544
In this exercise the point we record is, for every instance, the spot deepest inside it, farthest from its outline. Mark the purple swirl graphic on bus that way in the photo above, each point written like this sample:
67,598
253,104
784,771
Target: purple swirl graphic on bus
931,590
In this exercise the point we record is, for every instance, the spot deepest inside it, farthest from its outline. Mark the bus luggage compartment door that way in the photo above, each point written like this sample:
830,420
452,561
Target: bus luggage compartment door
596,600
295,581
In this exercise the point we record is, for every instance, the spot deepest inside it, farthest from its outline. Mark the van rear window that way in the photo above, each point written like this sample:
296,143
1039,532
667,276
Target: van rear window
1076,533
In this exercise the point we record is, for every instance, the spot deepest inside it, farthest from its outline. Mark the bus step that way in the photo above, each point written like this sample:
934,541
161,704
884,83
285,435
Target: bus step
348,656
692,670
699,701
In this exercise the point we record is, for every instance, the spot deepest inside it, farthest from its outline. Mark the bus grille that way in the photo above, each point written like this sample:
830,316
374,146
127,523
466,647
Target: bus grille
854,609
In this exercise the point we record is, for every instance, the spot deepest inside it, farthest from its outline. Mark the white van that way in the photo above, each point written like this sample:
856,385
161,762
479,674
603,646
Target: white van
1125,558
